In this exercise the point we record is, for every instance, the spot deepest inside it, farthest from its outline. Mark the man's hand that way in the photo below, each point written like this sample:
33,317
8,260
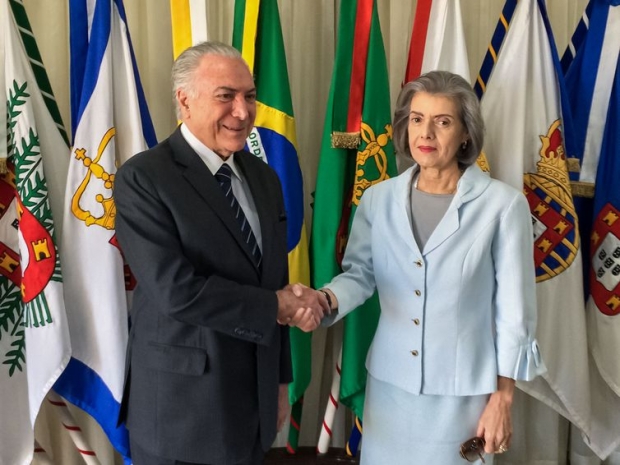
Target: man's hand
301,306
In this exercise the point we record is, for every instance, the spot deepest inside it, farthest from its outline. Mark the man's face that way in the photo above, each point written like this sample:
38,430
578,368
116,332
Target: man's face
221,113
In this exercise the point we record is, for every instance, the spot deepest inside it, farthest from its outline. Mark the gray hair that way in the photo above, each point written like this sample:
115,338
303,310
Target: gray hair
457,89
187,62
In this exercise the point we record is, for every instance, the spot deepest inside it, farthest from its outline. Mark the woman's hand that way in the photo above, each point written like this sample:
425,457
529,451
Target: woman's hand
495,424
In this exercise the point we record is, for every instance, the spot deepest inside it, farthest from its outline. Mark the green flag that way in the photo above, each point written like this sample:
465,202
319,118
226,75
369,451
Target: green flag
356,153
258,35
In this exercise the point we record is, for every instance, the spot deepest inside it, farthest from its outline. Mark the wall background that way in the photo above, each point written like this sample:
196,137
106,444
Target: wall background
309,28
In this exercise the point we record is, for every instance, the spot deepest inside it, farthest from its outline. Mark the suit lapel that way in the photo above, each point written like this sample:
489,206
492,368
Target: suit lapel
203,181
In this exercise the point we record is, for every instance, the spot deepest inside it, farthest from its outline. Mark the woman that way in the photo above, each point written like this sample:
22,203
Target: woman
449,251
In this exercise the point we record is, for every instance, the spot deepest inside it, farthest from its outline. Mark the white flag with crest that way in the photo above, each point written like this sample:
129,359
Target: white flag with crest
524,145
34,338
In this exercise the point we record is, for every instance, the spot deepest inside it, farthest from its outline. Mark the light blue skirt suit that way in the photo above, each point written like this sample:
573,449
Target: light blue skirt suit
454,315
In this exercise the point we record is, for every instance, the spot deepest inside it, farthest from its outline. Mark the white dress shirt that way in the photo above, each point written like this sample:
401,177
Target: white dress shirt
240,188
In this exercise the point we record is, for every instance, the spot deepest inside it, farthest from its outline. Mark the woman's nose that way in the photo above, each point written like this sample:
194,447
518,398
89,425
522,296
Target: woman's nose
426,131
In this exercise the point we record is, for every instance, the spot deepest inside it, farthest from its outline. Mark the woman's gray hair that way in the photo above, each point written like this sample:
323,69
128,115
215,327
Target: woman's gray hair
448,85
187,62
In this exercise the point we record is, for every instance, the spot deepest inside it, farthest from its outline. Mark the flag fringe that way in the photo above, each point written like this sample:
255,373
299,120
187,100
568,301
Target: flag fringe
3,168
574,165
582,189
346,140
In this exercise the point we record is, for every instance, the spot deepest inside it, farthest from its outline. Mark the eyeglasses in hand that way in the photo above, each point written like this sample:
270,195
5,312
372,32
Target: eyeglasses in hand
472,449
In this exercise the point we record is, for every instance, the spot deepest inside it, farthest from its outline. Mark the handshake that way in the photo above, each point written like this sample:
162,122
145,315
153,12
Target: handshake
302,306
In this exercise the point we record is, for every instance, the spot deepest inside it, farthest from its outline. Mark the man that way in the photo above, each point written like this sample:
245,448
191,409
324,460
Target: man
203,227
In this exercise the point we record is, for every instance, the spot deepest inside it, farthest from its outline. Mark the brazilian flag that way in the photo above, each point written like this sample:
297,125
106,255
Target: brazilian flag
257,34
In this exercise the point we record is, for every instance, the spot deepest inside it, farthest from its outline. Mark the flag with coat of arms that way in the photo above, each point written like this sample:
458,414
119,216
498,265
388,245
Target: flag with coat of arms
34,337
110,124
356,153
527,137
593,81
603,307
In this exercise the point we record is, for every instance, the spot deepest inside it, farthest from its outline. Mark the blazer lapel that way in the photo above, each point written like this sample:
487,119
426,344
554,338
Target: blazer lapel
400,215
203,181
448,225
471,185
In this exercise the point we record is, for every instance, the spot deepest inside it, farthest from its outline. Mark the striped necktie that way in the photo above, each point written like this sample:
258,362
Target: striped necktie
223,176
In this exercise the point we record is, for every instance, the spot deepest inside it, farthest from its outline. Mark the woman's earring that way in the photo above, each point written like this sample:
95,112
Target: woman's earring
464,146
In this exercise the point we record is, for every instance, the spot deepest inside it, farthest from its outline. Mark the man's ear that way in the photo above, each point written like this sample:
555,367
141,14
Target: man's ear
182,100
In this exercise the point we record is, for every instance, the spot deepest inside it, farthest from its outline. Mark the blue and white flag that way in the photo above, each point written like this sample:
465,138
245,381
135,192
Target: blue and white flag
593,81
111,124
589,79
603,307
577,38
525,147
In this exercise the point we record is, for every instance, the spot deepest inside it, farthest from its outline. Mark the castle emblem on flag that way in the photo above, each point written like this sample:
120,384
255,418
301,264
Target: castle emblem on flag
548,191
9,253
28,256
40,257
374,150
605,272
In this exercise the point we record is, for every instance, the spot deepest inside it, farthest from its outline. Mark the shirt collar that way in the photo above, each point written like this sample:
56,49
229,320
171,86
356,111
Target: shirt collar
208,156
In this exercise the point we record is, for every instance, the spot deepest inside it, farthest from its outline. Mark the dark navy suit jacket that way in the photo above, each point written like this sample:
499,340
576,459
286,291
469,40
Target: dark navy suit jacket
205,354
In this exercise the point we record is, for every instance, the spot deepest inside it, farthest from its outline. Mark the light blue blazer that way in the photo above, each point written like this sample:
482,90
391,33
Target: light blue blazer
462,311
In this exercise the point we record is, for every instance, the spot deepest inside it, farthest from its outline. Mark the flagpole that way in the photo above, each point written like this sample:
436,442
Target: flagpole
75,432
294,425
40,456
4,9
332,404
355,438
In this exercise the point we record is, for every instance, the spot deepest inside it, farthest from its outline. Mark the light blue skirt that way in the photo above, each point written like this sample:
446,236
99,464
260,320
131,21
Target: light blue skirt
404,429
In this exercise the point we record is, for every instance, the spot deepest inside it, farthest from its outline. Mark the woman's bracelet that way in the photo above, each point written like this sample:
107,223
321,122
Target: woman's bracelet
328,297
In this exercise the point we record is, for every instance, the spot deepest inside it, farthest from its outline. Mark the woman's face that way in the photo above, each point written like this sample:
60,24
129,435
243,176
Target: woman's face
435,131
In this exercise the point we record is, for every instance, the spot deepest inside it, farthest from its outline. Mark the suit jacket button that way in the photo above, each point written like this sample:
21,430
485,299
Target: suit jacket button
418,263
416,321
418,292
414,353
